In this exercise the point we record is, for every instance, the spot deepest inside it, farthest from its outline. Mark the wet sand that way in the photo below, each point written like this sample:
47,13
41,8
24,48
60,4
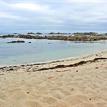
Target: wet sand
79,82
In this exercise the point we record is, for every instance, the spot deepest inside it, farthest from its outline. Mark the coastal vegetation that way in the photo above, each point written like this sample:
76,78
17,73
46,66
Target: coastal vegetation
88,36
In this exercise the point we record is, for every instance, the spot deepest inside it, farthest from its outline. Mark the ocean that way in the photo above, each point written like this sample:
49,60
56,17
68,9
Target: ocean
45,50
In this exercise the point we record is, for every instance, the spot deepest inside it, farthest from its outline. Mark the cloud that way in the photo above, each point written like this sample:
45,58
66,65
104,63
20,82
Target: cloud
5,15
86,1
27,6
62,15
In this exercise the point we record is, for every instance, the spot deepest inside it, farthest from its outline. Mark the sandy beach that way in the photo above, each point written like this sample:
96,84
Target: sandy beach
78,82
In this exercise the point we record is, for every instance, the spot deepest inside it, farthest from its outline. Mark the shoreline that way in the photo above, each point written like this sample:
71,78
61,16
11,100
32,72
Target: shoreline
80,82
78,59
14,62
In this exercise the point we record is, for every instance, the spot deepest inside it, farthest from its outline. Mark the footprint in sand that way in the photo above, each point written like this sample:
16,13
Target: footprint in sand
33,104
2,96
2,103
17,94
101,104
84,105
76,99
49,100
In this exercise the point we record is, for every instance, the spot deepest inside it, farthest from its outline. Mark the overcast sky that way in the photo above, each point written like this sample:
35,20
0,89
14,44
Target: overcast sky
53,15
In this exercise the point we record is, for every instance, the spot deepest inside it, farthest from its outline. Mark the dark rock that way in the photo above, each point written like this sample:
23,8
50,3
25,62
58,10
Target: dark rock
90,99
76,70
18,41
27,92
96,67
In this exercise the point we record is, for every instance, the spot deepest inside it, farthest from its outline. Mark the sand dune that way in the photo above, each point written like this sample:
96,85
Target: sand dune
78,86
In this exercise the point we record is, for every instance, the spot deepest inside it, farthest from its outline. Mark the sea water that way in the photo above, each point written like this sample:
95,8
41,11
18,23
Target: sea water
44,50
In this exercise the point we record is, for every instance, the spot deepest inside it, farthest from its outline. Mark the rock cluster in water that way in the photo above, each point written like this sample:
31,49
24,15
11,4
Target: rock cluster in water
91,36
18,41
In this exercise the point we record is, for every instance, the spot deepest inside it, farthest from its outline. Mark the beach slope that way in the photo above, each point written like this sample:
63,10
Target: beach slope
79,82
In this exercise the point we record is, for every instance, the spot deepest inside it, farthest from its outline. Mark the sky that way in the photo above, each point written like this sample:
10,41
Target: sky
53,16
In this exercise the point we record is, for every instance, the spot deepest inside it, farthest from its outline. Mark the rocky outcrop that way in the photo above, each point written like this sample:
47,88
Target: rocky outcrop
60,36
18,41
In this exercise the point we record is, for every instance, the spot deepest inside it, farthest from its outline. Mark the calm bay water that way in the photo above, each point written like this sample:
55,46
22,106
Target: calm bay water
44,50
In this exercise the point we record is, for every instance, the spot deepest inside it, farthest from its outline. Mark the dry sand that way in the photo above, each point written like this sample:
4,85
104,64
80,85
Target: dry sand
58,85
